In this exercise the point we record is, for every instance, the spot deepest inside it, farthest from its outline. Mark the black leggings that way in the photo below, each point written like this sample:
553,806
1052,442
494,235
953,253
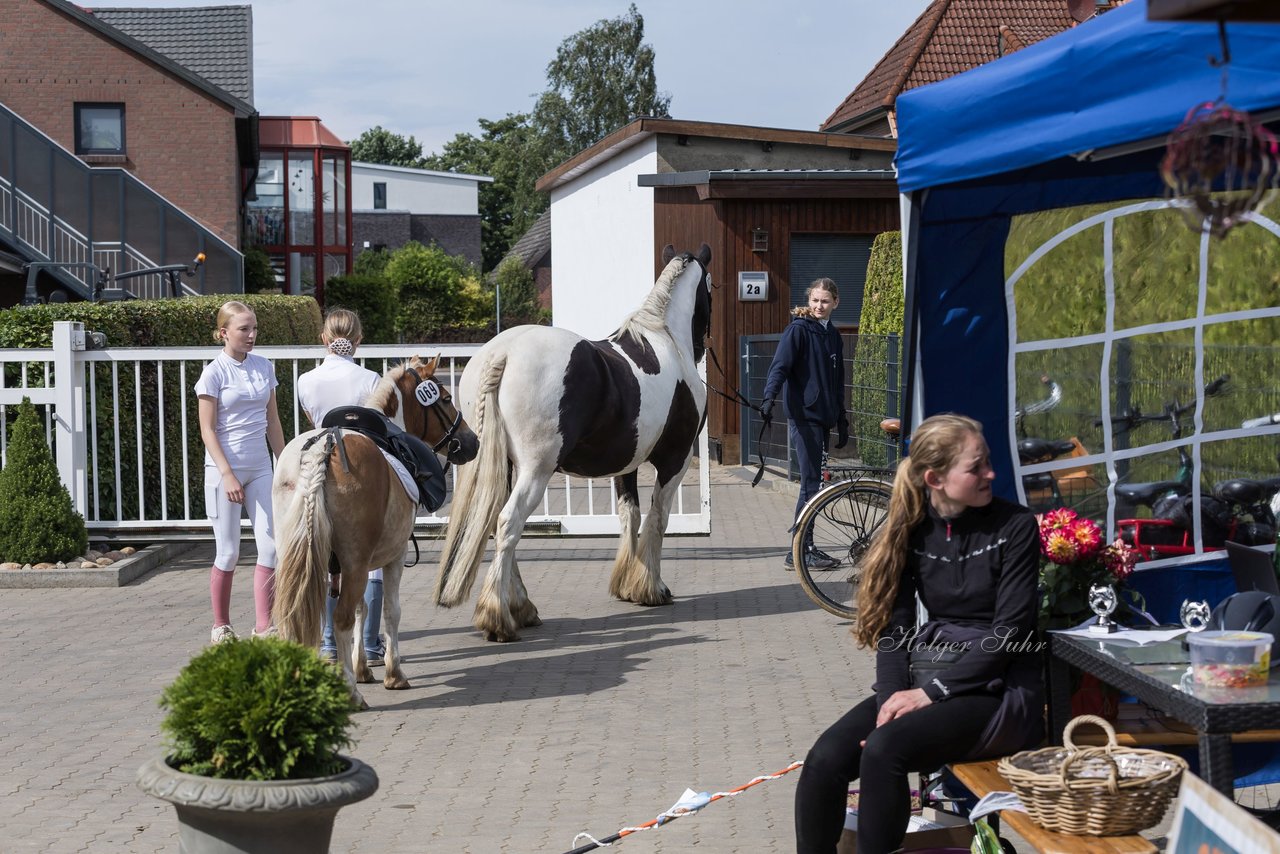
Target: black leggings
922,740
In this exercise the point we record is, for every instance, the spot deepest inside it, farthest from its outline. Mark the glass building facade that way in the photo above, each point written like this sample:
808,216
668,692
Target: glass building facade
302,214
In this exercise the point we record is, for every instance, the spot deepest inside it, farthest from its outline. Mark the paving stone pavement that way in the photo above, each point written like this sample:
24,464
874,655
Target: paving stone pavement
596,720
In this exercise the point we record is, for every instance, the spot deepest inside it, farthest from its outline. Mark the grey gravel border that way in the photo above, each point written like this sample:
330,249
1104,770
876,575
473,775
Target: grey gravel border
117,574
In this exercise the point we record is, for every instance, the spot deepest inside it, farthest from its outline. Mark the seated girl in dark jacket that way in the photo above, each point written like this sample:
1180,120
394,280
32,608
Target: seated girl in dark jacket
973,560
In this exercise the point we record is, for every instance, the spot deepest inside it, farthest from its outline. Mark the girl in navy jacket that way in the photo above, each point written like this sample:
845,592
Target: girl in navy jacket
808,370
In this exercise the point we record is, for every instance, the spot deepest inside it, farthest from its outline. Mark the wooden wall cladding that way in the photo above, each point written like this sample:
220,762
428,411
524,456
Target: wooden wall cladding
684,221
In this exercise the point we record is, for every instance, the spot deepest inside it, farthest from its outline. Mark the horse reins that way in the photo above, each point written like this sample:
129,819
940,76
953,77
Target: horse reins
454,445
738,398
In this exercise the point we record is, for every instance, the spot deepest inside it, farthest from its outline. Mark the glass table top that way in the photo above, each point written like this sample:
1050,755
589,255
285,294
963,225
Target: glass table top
1169,663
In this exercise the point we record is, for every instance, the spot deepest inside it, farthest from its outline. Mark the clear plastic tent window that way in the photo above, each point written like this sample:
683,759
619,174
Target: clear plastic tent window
1120,311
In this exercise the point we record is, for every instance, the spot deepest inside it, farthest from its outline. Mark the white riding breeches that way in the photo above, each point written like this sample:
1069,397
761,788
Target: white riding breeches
225,516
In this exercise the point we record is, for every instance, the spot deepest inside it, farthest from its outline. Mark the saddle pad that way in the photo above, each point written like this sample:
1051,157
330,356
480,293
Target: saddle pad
402,473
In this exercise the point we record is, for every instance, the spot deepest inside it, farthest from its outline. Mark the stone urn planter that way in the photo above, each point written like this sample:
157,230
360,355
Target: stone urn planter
254,762
256,817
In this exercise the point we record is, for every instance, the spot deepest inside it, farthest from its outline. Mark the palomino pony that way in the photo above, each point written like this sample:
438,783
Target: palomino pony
544,400
315,491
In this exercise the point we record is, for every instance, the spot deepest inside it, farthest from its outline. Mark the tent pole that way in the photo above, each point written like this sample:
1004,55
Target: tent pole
912,398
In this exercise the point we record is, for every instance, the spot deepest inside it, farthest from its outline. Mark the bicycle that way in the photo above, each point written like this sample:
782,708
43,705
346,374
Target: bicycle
1238,509
839,523
1050,490
1259,497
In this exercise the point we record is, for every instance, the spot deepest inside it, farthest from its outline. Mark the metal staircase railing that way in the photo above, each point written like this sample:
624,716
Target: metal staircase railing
56,208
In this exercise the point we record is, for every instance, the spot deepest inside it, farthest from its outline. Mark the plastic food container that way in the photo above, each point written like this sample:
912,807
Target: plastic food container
1231,659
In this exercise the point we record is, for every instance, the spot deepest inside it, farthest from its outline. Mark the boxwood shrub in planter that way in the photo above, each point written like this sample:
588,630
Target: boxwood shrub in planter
253,733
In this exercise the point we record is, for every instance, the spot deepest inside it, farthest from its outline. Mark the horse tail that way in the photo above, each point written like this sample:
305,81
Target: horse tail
303,545
480,490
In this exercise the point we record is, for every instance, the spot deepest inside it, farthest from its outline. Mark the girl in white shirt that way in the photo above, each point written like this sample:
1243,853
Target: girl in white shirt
339,381
238,422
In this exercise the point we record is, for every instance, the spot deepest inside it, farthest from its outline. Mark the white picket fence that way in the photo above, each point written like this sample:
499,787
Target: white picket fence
122,423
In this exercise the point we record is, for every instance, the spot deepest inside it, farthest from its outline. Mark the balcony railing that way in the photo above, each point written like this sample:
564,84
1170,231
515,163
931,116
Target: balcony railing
55,207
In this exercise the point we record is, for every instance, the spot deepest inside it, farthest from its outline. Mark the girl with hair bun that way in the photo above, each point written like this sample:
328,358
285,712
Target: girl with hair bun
339,381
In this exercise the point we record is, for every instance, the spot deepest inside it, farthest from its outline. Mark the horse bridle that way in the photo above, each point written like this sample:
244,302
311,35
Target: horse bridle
429,393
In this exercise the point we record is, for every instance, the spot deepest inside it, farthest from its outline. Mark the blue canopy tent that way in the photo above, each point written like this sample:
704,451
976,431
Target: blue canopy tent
1078,119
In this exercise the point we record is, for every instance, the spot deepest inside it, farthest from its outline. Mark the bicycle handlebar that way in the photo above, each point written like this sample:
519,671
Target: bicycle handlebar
1172,411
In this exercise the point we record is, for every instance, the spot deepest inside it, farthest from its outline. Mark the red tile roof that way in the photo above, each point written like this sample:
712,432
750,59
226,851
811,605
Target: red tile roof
302,131
949,37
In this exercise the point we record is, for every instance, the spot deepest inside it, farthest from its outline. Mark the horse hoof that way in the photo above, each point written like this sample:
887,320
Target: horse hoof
535,620
365,676
496,636
359,702
663,598
397,683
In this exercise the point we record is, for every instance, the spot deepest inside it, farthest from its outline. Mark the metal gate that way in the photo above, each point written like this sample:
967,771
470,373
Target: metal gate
873,391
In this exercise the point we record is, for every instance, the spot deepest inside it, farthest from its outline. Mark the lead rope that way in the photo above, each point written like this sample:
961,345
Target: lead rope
690,802
765,418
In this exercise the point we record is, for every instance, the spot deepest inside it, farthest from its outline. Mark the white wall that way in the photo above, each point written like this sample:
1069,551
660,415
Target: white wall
418,191
602,243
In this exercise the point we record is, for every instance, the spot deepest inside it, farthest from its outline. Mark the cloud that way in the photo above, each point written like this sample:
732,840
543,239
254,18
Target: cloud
432,69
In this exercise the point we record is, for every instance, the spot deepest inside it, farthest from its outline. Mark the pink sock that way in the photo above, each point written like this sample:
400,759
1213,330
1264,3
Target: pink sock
220,595
264,595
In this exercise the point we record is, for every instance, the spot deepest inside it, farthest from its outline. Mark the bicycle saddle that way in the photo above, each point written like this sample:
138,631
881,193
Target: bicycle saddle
1033,450
1148,493
1245,491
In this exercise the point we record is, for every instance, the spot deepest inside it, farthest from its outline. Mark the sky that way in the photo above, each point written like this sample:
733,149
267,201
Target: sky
431,69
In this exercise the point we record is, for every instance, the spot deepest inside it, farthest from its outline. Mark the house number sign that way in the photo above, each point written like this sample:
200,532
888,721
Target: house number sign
753,286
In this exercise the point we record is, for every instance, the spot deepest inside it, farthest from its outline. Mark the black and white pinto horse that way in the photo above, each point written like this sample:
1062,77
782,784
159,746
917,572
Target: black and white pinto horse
543,400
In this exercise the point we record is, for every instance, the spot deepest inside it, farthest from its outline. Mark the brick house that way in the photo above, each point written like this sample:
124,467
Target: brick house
125,155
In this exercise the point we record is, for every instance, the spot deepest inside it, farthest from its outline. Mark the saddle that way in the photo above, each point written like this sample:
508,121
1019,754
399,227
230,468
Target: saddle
421,462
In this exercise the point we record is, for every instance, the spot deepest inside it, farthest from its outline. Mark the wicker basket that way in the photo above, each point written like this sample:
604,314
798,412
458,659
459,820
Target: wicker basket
1095,791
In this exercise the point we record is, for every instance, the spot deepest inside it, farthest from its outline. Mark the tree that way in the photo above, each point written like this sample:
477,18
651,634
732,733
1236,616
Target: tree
37,521
882,313
432,290
510,151
514,282
378,145
601,79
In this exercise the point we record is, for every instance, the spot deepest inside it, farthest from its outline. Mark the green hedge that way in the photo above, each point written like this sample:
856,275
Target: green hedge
164,322
136,323
871,399
372,297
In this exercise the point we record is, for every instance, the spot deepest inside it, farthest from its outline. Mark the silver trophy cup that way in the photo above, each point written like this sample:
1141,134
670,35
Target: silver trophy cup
1194,615
1102,601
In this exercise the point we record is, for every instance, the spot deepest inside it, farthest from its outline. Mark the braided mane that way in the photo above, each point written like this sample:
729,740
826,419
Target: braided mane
652,314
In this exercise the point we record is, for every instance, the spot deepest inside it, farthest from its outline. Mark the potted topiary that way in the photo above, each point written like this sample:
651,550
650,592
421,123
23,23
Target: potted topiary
253,732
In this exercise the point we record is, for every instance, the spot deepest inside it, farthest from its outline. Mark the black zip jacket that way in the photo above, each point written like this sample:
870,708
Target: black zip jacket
977,575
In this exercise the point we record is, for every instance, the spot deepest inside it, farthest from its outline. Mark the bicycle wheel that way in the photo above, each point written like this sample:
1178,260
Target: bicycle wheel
1262,802
837,523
